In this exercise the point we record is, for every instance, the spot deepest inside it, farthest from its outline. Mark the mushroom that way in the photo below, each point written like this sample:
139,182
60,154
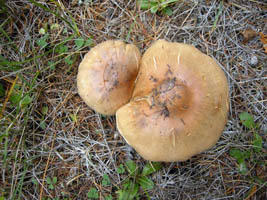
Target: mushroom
107,74
179,106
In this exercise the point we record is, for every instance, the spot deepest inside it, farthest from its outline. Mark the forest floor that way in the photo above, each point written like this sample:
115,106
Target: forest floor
53,146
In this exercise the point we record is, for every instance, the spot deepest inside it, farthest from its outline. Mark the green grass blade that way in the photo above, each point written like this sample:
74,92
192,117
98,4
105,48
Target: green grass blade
15,63
217,17
129,33
56,14
6,144
4,33
18,190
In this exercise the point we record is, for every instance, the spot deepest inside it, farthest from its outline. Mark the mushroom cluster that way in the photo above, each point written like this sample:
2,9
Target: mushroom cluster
174,105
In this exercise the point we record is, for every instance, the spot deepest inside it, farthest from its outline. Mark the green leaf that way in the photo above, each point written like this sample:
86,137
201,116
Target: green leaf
79,43
127,184
145,183
144,4
44,110
151,168
93,193
130,192
257,143
68,60
88,42
41,42
247,120
50,186
2,198
48,180
54,180
120,169
109,197
43,125
131,167
236,153
51,65
123,194
15,98
154,9
167,11
34,181
61,49
26,100
106,181
239,155
2,90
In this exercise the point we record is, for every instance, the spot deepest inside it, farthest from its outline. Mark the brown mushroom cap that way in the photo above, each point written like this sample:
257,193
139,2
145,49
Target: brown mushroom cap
107,74
179,106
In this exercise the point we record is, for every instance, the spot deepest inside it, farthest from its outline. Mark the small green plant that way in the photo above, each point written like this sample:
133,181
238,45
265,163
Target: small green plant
19,99
242,155
93,193
68,60
34,181
42,42
109,197
106,181
248,121
120,169
137,179
79,42
157,6
63,48
51,182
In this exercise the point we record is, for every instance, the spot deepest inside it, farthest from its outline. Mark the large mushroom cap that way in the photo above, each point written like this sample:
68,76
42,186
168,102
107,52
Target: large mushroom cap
179,106
106,75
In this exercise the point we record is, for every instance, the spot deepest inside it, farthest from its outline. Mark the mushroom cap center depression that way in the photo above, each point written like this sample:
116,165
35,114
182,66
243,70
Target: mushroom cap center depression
171,95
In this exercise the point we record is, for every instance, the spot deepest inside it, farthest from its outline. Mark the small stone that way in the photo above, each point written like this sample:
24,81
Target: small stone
253,61
116,135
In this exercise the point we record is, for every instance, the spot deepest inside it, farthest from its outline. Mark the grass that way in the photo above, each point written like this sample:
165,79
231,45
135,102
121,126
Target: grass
52,146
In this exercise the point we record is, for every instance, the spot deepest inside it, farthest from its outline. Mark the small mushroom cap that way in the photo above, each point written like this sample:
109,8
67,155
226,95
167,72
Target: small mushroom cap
179,106
107,74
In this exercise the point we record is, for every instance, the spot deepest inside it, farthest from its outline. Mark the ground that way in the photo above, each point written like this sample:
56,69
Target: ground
54,146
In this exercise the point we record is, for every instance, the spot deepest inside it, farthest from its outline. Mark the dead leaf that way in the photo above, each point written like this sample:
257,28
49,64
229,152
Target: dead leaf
248,35
252,191
263,40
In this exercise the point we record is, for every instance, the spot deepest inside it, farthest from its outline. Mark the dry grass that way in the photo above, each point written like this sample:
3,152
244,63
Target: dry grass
77,145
